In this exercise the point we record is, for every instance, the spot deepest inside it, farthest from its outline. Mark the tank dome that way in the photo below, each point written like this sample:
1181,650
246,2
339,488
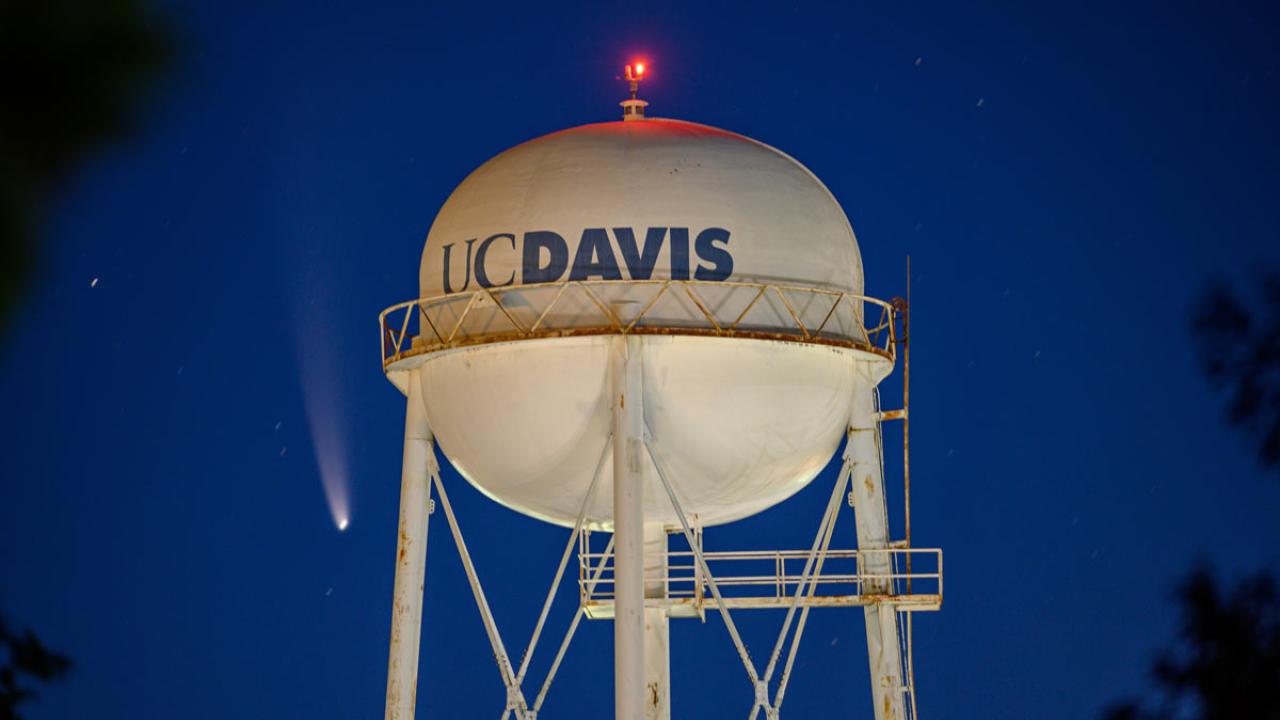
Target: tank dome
733,263
657,199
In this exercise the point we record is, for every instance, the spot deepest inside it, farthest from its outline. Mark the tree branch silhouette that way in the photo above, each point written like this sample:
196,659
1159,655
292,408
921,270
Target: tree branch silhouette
74,73
1239,347
26,661
1226,661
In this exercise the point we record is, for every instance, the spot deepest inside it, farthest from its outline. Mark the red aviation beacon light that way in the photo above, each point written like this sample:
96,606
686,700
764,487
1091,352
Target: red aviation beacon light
633,109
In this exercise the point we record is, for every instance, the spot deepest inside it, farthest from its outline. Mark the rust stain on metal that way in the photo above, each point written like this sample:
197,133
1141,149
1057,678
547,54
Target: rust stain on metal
404,546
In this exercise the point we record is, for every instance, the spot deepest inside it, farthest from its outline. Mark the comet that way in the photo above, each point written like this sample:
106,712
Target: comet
317,284
321,396
324,400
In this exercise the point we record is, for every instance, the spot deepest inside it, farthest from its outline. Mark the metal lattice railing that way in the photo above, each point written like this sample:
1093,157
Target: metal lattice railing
769,578
767,311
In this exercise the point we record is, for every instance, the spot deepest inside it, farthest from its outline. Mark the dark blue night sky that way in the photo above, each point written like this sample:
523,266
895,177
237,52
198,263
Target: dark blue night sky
1066,179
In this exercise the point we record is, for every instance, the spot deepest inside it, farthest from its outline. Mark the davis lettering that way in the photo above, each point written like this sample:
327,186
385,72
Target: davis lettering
544,256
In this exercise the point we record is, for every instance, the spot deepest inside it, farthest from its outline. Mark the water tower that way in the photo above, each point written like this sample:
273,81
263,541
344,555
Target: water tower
640,330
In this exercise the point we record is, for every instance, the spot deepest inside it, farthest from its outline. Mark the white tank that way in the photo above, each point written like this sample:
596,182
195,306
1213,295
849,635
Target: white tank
731,261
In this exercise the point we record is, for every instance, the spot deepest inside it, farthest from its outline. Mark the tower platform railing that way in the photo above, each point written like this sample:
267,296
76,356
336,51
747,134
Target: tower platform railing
765,579
729,309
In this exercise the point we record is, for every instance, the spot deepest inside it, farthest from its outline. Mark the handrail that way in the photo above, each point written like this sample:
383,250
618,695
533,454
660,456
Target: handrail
415,327
768,578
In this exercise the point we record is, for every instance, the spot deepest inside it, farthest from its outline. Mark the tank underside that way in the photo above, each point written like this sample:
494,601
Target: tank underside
741,424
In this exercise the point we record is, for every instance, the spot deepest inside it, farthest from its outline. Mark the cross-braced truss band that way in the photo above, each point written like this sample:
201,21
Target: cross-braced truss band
513,680
760,683
719,308
686,587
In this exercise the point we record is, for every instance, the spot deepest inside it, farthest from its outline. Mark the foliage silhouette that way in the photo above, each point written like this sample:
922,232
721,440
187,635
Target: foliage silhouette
24,659
1227,662
1240,351
73,73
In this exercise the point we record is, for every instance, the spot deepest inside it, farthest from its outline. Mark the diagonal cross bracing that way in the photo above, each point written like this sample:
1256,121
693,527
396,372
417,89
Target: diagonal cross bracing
515,698
761,691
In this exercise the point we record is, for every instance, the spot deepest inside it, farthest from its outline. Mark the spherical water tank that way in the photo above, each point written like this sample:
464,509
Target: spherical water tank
731,262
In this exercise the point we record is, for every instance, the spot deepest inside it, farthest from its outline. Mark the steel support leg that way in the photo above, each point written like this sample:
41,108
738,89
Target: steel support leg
871,516
657,638
628,518
411,557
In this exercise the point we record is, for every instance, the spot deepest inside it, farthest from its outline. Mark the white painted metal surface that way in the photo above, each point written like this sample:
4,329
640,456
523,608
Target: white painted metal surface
783,224
657,635
747,423
411,558
750,422
627,401
768,579
871,516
